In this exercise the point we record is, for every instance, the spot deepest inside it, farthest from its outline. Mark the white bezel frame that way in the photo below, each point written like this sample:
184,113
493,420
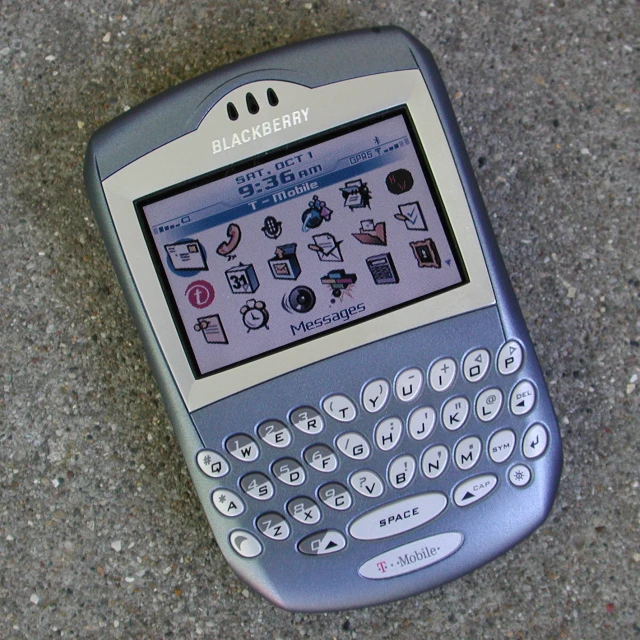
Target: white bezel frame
192,155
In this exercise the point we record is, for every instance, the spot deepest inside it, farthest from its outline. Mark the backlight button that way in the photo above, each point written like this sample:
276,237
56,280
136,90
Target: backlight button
520,475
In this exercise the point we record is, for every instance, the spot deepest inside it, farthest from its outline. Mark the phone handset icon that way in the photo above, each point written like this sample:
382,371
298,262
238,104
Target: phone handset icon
227,248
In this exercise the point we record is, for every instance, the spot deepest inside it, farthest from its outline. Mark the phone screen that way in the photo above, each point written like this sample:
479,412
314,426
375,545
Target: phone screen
305,240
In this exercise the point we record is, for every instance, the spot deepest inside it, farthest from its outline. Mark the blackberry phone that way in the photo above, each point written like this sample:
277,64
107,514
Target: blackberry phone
308,260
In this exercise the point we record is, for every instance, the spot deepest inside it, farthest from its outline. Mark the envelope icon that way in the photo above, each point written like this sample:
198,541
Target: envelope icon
327,248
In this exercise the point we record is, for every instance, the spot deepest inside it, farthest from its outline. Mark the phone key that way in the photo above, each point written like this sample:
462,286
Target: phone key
321,458
523,397
502,445
258,486
274,526
535,441
245,544
421,422
401,471
409,384
488,404
520,475
510,358
289,471
275,434
423,552
335,496
367,483
304,510
307,420
375,395
227,503
455,413
340,408
476,365
434,461
243,447
468,452
442,374
388,433
211,463
474,489
322,543
353,445
398,517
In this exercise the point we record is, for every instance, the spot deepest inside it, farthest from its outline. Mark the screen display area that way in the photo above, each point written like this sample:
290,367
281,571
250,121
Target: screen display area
305,241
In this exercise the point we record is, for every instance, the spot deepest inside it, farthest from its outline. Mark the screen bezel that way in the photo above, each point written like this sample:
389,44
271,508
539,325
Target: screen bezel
191,155
271,156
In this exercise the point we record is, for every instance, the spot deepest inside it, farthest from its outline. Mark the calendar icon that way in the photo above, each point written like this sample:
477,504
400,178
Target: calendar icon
242,279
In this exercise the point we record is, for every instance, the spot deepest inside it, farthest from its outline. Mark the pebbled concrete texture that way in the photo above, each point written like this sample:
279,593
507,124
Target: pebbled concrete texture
101,535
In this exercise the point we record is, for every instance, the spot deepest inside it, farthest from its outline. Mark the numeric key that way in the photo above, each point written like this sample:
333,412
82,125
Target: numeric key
274,526
307,420
275,434
289,471
243,448
304,510
258,486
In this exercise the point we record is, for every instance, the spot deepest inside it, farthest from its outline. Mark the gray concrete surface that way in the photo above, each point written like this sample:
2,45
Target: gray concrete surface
101,535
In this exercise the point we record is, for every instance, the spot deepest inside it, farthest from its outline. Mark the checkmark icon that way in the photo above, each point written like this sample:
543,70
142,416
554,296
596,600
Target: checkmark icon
411,215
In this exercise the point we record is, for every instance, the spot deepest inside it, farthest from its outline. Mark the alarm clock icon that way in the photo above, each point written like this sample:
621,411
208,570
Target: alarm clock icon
254,315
